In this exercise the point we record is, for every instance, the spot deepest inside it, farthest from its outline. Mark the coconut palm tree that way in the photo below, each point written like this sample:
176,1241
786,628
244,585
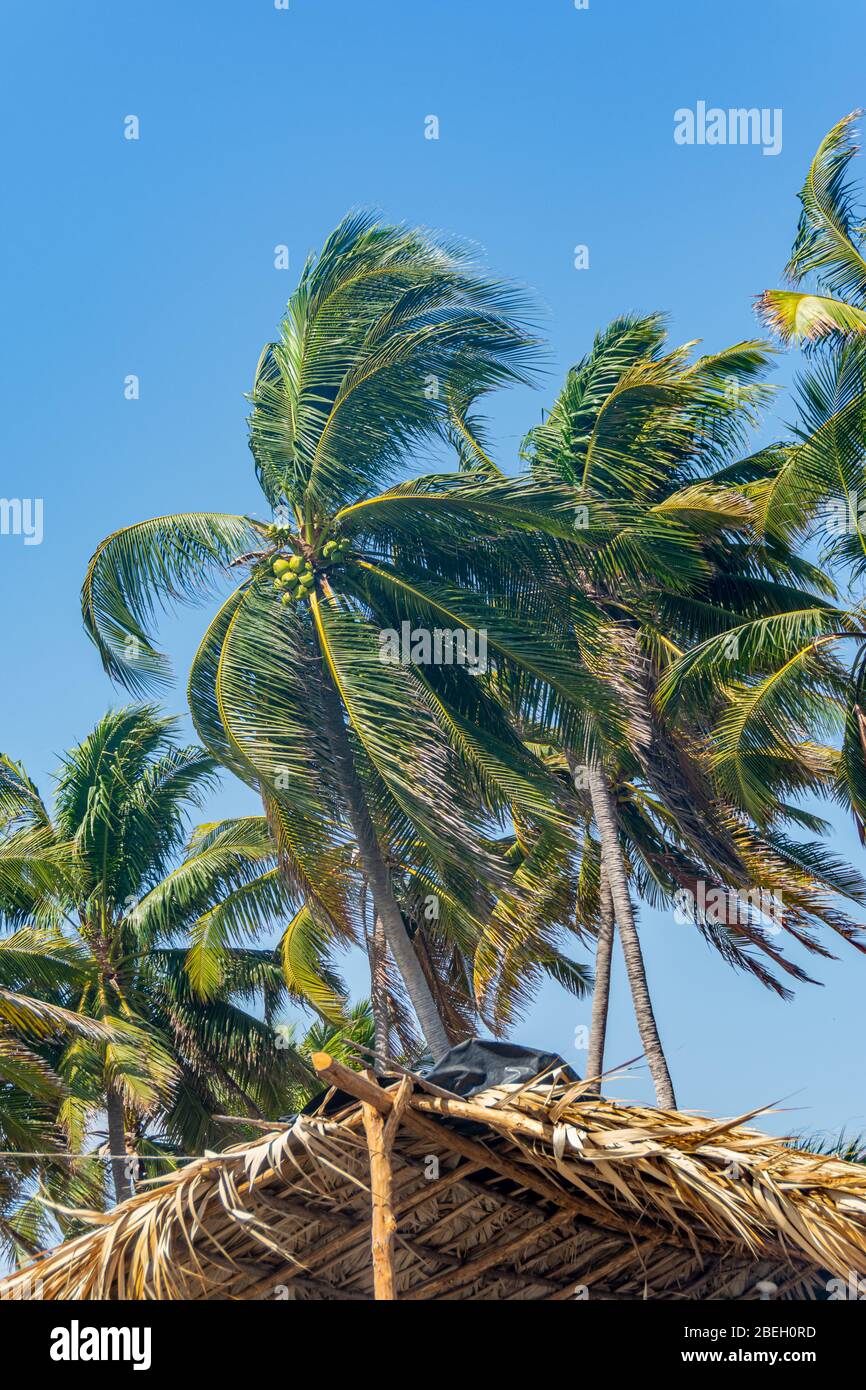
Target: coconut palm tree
319,680
33,1025
89,951
801,674
829,248
649,441
817,490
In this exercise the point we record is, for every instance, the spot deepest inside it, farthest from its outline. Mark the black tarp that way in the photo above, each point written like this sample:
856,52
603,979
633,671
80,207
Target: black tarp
478,1063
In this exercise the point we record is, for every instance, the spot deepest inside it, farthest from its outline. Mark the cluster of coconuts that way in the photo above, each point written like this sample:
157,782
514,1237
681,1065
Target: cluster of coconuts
295,577
335,551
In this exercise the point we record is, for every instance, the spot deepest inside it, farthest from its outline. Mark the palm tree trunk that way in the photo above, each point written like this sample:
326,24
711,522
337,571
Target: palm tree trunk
377,950
379,991
605,819
601,990
117,1144
375,870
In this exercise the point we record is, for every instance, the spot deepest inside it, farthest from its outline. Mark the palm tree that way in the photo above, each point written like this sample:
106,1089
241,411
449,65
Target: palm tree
386,344
801,674
648,441
32,1025
829,247
88,950
37,968
816,491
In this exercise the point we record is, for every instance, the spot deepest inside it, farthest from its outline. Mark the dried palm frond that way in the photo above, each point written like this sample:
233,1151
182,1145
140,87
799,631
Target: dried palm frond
534,1192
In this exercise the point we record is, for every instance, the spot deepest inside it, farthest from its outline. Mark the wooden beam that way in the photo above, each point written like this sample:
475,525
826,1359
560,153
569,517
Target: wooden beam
324,1290
354,1083
493,1117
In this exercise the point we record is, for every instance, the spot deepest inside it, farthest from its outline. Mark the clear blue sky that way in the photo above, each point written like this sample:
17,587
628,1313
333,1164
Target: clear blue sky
261,127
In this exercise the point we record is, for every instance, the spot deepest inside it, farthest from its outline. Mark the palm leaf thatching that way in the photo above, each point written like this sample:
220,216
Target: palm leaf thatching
528,1193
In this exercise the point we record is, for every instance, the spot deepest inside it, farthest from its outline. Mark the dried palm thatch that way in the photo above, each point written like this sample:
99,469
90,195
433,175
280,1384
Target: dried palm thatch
537,1192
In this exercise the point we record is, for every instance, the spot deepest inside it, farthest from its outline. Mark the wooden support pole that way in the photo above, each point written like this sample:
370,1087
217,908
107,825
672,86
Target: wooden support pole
383,1223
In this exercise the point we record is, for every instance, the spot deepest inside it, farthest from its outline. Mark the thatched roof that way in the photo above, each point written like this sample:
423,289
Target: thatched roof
538,1192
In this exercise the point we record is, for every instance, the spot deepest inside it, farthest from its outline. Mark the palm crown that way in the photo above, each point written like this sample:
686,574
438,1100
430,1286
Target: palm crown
650,442
790,685
387,343
82,890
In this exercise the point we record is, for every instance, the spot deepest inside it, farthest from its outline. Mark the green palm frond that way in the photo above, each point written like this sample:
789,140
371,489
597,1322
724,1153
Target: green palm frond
139,1064
828,248
30,1017
150,566
825,244
400,736
240,913
384,324
304,952
21,806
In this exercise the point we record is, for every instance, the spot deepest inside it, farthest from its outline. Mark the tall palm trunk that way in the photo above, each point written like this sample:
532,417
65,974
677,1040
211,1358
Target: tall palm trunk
605,819
379,992
601,990
375,870
117,1144
377,948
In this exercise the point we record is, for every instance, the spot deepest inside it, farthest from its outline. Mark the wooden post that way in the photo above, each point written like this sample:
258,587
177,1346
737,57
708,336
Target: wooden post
383,1223
382,1112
